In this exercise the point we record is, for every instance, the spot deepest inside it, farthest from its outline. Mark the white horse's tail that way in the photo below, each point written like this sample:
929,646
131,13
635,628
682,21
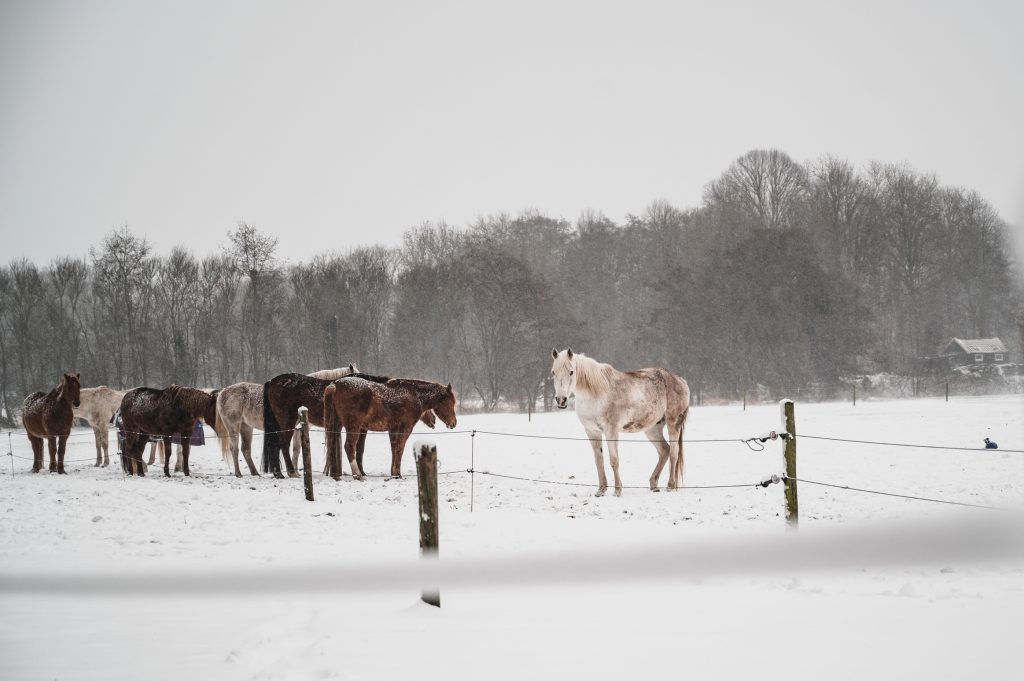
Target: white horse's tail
220,428
682,431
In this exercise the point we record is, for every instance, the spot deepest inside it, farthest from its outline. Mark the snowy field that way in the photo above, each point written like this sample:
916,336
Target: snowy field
934,621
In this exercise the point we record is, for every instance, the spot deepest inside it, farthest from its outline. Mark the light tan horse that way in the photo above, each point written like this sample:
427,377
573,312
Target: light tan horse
97,408
609,401
239,410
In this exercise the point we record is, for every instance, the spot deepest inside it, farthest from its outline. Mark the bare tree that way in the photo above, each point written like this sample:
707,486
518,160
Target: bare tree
767,186
254,254
123,274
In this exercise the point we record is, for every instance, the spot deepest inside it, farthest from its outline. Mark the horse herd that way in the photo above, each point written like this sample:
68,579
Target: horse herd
335,399
608,402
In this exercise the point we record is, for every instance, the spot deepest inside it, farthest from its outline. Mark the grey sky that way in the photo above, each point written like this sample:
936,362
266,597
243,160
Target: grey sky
336,124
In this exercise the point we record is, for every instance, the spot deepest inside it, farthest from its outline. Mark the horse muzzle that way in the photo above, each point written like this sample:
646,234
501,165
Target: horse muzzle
562,402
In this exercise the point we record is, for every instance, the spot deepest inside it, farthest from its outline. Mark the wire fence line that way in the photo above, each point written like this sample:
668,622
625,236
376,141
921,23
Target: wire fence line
755,443
911,445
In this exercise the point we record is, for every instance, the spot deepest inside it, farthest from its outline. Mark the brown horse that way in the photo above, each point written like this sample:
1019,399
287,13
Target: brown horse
49,415
358,405
282,397
167,412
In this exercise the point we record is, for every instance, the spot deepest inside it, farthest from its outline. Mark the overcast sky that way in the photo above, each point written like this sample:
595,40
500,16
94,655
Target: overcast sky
337,124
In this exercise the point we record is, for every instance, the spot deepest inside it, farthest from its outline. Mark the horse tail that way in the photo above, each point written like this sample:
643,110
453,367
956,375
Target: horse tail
224,438
271,436
682,431
332,466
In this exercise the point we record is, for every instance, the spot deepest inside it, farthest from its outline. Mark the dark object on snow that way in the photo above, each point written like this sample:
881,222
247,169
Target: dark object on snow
990,445
198,438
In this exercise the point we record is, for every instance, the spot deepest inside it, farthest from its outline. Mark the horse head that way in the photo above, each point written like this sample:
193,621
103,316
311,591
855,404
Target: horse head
445,408
71,388
563,370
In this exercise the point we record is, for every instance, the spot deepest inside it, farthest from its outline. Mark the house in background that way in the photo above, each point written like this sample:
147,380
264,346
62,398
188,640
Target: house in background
961,351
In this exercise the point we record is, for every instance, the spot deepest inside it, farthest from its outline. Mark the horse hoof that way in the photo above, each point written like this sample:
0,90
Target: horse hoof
655,489
600,493
293,474
618,492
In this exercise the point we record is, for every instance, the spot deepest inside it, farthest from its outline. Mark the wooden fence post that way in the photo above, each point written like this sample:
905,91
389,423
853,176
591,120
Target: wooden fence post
789,423
426,481
744,400
307,464
947,391
855,394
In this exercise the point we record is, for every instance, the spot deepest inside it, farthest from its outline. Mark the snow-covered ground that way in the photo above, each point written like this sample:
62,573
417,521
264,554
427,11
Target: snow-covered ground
920,621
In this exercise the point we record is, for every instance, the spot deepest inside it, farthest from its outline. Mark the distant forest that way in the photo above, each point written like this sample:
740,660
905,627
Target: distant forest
787,275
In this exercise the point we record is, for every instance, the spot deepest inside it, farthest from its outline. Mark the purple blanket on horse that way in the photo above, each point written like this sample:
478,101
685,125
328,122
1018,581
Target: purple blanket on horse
198,438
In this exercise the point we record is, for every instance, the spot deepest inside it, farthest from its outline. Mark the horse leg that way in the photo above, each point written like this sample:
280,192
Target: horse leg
657,439
296,452
62,445
398,440
51,449
167,455
105,444
186,445
676,455
613,459
177,457
595,435
246,432
37,453
99,446
152,453
288,434
360,447
352,448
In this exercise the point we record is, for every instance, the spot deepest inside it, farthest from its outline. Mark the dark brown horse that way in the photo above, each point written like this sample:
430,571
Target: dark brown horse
282,397
49,416
358,405
164,413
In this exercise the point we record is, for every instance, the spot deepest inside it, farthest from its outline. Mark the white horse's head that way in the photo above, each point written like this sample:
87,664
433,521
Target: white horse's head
563,370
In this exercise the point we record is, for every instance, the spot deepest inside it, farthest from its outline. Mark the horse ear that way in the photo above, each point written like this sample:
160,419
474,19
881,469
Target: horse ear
78,376
449,389
554,353
569,352
352,368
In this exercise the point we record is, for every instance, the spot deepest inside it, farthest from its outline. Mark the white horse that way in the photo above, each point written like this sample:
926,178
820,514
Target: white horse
97,407
240,410
609,401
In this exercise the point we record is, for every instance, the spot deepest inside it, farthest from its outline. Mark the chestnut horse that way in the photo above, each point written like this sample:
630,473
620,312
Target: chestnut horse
358,405
49,416
282,397
167,412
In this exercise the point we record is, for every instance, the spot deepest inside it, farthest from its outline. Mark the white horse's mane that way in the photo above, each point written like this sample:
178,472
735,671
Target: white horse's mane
592,376
334,373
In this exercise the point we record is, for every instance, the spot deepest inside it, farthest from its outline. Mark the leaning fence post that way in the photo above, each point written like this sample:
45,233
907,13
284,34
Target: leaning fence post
426,481
307,464
789,423
10,451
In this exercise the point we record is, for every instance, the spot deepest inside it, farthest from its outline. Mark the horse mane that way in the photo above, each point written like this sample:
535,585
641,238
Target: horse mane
332,374
195,401
591,375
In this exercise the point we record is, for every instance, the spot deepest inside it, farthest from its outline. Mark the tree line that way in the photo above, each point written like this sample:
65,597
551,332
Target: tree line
787,274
